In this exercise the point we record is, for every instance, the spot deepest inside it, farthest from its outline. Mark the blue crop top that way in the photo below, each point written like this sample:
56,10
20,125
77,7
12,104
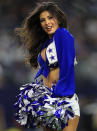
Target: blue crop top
51,59
60,52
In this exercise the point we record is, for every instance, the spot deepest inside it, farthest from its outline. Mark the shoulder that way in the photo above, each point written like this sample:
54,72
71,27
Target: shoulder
62,32
63,39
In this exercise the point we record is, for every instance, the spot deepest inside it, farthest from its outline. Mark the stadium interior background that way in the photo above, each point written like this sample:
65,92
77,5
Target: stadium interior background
82,18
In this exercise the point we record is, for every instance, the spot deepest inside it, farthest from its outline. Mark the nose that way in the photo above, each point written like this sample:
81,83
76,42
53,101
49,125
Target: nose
47,21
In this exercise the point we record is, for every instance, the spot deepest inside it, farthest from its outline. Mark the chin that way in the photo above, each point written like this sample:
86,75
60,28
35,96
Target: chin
51,33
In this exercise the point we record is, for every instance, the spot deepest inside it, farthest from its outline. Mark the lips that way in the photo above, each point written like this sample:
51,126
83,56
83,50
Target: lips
49,28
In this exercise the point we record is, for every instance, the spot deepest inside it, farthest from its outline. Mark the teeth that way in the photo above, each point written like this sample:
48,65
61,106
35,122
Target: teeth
49,27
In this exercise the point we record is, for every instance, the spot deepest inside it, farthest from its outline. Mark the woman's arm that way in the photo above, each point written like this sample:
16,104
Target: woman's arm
64,43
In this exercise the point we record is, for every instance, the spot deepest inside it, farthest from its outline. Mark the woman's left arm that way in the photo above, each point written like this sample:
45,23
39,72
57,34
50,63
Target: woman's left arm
64,43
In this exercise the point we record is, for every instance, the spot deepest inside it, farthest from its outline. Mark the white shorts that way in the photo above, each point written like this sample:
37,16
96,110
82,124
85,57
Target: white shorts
75,104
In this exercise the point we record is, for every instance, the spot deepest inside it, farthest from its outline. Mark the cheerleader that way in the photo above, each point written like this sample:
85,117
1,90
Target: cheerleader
50,103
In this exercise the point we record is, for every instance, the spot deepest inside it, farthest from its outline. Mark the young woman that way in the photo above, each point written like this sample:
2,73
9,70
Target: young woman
51,103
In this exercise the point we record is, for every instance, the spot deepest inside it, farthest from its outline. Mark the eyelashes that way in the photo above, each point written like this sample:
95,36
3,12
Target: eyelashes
51,17
42,20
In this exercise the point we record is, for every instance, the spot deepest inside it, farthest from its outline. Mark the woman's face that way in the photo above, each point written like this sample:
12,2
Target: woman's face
48,22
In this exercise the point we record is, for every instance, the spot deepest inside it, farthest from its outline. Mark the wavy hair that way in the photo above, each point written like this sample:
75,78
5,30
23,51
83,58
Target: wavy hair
32,34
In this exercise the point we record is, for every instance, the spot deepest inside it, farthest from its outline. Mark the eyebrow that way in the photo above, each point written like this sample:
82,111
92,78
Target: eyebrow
47,16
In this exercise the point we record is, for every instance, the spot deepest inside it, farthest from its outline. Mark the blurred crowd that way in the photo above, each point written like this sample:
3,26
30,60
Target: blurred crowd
82,23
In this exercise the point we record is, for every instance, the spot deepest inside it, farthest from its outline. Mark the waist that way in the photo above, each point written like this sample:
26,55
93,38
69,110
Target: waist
52,78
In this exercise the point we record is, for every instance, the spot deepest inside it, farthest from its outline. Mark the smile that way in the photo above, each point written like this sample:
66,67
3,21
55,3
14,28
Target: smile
49,28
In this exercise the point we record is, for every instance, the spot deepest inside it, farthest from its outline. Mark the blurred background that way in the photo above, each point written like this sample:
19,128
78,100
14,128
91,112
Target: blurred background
82,21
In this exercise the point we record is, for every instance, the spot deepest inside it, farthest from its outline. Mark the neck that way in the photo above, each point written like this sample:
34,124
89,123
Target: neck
50,36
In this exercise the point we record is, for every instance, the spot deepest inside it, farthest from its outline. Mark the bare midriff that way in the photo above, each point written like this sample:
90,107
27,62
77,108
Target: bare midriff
53,75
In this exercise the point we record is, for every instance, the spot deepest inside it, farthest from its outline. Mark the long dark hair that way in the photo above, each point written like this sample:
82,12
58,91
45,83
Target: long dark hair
32,34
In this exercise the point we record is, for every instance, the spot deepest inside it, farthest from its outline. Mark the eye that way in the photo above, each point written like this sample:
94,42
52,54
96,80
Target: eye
50,17
42,20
